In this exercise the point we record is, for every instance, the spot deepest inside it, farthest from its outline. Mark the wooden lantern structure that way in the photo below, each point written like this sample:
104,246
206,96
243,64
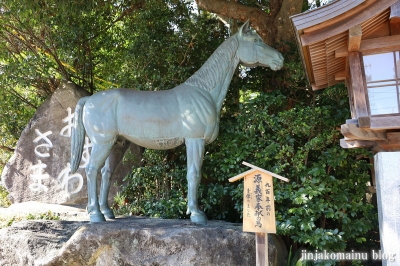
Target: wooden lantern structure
357,42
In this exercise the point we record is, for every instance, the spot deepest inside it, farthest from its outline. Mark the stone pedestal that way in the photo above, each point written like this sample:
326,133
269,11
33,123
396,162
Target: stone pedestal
132,241
387,174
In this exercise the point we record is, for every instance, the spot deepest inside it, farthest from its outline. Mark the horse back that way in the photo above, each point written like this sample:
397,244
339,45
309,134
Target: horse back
152,119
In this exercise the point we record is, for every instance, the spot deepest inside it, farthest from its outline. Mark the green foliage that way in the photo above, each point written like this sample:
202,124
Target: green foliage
43,216
4,201
294,258
158,189
5,222
14,116
323,206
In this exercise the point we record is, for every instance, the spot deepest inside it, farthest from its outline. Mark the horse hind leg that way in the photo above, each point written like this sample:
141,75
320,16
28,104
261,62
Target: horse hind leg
116,155
98,155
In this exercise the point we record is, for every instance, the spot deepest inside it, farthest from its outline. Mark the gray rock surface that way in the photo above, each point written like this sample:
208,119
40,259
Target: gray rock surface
65,212
38,170
132,241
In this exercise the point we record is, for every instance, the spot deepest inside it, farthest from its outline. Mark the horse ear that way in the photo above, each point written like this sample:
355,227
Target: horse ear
244,28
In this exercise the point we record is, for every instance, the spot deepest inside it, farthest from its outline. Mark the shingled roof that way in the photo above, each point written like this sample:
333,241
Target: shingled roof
325,35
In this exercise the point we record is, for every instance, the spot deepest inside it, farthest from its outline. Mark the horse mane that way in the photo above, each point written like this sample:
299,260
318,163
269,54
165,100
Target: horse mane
214,69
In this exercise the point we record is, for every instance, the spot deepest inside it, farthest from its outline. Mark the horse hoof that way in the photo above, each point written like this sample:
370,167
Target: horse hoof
97,218
198,218
109,214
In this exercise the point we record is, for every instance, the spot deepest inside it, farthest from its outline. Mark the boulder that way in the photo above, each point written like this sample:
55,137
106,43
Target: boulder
18,211
39,169
132,241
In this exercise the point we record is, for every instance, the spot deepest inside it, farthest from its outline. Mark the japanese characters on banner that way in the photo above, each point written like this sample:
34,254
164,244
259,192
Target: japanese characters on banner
258,203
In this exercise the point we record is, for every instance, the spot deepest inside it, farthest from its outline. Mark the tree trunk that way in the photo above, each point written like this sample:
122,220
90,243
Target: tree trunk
273,26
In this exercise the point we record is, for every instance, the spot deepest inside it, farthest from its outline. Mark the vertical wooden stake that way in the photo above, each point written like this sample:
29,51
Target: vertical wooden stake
261,249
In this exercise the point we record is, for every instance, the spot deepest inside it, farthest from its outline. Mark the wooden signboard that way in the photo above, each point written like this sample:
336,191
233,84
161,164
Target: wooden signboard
258,203
259,207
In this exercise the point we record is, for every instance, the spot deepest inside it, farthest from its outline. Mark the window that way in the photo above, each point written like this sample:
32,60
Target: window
382,73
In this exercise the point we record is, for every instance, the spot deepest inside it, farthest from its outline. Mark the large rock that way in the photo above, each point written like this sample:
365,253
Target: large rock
39,168
33,208
132,241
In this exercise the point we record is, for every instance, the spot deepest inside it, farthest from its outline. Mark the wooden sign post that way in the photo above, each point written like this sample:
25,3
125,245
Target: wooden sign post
258,207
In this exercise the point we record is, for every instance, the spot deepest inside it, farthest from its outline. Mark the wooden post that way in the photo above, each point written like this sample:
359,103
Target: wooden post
261,249
355,34
358,84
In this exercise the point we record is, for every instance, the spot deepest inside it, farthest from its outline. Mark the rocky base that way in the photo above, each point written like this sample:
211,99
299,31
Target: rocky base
132,241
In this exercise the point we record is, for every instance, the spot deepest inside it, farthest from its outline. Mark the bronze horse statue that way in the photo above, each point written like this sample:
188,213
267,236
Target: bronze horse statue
188,113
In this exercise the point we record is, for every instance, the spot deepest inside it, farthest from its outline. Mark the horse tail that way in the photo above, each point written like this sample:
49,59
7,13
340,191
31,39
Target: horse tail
77,135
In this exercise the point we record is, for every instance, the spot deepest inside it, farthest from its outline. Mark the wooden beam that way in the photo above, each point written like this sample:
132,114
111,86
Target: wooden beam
240,176
347,83
364,122
315,87
394,26
267,172
392,143
353,132
353,144
380,45
374,46
355,34
385,122
254,168
358,84
351,121
341,75
305,53
395,18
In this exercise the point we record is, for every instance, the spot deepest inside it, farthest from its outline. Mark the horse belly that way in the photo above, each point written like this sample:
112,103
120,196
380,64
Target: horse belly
157,135
152,122
156,143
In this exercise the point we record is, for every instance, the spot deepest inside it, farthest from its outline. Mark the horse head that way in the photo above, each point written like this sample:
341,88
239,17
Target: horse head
254,52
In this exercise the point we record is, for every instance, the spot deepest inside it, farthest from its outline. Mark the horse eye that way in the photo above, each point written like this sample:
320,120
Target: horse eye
255,40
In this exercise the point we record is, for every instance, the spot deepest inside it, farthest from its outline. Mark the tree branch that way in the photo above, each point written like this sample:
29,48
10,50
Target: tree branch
259,19
227,8
5,148
137,5
273,26
23,99
40,46
282,21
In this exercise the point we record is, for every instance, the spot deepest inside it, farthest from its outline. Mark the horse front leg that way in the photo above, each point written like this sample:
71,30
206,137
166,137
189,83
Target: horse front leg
116,155
195,155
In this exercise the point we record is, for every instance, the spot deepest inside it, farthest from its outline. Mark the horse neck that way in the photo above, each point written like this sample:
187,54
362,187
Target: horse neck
216,73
